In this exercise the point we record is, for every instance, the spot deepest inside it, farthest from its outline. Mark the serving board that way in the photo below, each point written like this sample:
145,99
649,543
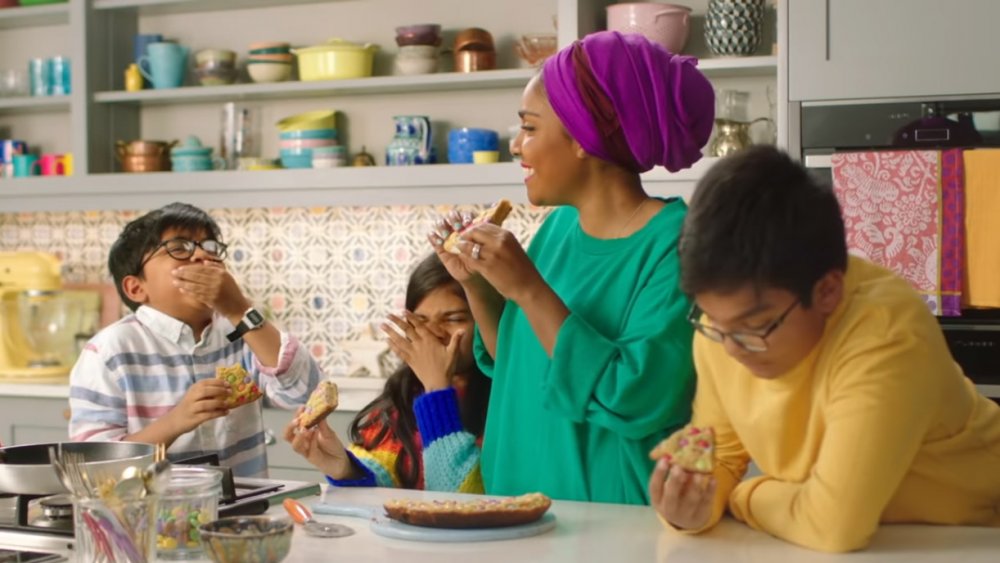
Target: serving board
384,526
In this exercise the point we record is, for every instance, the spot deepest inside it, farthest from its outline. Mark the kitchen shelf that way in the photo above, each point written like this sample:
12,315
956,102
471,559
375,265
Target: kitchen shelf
444,184
33,104
439,82
447,81
730,67
157,7
34,16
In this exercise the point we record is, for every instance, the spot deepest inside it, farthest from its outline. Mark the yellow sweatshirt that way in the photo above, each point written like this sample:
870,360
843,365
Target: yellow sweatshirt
877,424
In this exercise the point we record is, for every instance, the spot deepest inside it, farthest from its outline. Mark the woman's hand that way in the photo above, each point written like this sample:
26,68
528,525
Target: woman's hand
453,222
430,353
684,498
496,255
321,447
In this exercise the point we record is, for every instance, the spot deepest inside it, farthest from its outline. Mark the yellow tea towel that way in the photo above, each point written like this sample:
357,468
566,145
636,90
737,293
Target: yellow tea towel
982,229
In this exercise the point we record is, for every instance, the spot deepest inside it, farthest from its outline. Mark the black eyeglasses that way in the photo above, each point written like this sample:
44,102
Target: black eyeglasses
184,249
749,341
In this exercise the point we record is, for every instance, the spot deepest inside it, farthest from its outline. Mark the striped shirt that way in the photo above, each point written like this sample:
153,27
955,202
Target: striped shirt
137,369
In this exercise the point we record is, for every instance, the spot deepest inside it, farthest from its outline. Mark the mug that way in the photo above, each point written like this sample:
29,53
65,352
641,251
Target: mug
467,140
164,65
25,165
139,44
40,76
52,164
11,147
60,80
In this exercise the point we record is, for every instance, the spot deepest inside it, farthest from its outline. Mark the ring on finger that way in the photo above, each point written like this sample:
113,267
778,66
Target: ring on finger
476,249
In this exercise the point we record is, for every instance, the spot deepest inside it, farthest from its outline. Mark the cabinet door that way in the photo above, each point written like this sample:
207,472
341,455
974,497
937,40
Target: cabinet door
849,49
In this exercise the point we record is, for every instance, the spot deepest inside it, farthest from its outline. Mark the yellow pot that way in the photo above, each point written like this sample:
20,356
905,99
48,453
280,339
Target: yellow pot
336,59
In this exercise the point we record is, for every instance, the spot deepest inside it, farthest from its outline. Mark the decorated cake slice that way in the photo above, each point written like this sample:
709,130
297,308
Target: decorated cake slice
691,448
243,389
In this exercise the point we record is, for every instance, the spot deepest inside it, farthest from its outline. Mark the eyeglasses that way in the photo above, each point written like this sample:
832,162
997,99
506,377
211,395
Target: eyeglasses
749,341
184,249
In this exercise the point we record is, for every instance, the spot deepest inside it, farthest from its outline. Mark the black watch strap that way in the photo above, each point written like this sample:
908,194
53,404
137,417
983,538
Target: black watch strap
251,320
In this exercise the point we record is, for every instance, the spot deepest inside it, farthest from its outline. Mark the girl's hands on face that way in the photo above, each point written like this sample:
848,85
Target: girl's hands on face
431,353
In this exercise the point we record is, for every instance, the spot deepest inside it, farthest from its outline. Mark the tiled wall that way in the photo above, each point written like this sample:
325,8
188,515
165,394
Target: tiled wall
323,273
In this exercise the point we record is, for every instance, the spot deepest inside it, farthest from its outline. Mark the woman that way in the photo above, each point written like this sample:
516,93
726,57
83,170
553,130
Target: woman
422,431
585,335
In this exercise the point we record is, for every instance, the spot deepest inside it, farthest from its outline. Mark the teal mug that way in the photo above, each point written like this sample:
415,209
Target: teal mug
164,64
26,165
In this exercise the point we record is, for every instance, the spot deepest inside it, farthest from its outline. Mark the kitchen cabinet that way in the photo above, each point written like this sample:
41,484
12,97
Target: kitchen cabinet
855,49
100,34
25,420
282,461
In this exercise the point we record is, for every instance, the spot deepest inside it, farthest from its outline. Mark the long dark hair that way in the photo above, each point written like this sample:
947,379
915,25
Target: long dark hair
392,410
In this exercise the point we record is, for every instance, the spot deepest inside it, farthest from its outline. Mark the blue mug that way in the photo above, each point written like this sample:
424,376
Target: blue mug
165,64
61,80
139,44
40,76
467,140
26,165
9,148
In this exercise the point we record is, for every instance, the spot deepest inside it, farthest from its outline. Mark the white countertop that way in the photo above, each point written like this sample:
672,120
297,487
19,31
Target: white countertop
588,532
622,533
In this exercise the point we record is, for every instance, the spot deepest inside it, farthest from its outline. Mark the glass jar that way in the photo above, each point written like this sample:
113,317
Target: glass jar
115,530
190,499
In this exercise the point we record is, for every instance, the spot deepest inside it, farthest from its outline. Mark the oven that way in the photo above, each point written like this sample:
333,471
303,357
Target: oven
819,129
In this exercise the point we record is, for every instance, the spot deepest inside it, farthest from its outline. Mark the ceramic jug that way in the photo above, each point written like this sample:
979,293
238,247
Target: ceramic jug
164,64
412,143
732,136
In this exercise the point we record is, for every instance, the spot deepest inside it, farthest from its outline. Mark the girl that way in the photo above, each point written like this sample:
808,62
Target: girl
422,431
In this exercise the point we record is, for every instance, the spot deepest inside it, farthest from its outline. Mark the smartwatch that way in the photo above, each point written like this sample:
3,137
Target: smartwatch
252,320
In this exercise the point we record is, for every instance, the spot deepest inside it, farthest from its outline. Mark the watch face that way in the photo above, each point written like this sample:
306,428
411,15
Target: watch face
255,317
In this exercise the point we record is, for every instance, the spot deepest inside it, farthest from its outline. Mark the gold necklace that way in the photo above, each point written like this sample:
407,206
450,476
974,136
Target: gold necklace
632,216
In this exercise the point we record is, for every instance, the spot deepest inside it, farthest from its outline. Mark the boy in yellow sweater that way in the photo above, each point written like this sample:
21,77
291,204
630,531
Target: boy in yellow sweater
828,371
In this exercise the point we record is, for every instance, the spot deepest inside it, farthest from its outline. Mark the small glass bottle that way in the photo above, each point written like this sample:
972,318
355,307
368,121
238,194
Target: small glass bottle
133,78
191,499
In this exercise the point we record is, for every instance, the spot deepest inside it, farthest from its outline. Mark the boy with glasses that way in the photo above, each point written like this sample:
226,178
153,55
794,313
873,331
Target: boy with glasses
151,377
827,371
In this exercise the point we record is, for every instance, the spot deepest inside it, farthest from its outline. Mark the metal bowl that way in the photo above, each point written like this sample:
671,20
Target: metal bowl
26,469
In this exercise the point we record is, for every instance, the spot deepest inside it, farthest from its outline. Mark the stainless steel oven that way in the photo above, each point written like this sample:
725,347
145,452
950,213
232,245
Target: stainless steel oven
820,129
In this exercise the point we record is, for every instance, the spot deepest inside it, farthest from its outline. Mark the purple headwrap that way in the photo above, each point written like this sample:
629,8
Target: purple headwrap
628,100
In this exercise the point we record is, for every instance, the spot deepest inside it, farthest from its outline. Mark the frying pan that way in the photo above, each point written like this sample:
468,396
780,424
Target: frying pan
25,470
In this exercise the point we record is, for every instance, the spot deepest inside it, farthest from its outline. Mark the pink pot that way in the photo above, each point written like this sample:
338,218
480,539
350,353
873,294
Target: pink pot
667,24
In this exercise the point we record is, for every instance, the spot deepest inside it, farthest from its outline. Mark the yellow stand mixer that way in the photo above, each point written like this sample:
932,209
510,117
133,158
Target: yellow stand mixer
33,319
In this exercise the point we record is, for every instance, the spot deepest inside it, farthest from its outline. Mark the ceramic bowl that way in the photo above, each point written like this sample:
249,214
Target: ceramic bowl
310,120
305,143
269,72
308,134
215,55
535,48
414,65
263,539
419,34
275,58
216,77
268,45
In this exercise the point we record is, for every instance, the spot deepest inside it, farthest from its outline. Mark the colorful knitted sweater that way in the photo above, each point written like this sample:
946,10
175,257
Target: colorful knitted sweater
449,455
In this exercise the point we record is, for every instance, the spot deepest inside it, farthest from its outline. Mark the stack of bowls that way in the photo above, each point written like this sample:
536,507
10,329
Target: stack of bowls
418,48
331,156
270,62
215,67
300,135
192,156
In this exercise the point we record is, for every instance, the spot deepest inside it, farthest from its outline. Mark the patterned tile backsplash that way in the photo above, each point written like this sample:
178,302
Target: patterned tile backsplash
324,274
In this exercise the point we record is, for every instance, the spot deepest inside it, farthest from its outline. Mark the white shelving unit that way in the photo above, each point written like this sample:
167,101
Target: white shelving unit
410,185
34,104
34,16
100,33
